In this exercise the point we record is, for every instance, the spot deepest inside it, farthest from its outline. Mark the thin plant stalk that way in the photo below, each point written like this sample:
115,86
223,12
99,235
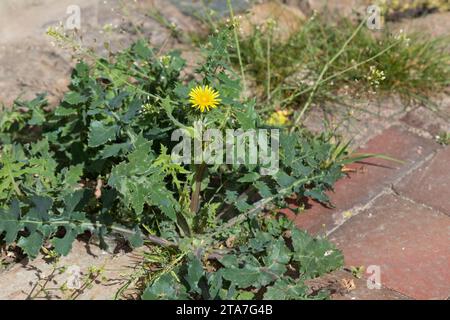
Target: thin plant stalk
337,74
238,48
324,70
268,65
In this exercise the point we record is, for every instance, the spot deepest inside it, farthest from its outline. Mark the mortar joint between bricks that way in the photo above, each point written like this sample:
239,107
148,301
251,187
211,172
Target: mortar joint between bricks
389,189
418,131
355,210
403,197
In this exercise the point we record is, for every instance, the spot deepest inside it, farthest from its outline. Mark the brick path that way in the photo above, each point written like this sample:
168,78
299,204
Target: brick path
395,216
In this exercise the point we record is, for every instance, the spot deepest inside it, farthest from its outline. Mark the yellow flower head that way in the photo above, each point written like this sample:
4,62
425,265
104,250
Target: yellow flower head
204,98
279,118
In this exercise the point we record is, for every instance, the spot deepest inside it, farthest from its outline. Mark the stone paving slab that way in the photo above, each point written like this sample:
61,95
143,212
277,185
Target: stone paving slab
344,286
408,241
430,184
436,25
432,123
368,180
23,279
31,63
366,118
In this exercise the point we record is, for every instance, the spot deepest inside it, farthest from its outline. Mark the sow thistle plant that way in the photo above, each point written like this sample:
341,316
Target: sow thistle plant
204,98
100,163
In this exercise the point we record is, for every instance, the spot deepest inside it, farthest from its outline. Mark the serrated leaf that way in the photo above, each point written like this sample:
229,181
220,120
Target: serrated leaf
278,256
81,69
242,205
317,194
300,170
162,198
286,289
133,111
242,277
263,189
278,252
283,179
72,175
64,112
41,207
142,50
74,98
165,288
181,90
114,150
249,177
247,117
194,273
117,101
260,241
100,134
245,295
139,182
136,238
215,283
315,256
229,261
9,222
31,244
38,117
74,200
231,196
64,245
288,143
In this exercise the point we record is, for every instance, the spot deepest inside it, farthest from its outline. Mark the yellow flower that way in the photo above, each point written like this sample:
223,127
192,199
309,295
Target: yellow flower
279,118
204,98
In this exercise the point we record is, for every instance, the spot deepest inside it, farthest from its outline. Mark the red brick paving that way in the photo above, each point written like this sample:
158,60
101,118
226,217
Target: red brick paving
406,234
430,184
370,178
408,241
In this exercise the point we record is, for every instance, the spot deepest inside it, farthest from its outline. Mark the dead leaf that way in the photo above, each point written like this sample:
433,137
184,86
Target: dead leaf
230,242
348,284
98,189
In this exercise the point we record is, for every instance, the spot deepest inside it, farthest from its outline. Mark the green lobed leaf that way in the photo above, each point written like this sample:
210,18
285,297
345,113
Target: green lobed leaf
165,287
286,289
100,134
9,222
64,245
32,244
74,98
315,256
194,273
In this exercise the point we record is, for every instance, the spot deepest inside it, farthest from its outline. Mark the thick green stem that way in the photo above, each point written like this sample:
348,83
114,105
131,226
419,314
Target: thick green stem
195,198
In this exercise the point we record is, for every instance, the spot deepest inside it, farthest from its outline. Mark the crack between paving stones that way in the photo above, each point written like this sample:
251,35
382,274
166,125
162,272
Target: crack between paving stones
424,205
357,209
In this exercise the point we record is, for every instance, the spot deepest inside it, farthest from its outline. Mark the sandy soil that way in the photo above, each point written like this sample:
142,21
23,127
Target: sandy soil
30,63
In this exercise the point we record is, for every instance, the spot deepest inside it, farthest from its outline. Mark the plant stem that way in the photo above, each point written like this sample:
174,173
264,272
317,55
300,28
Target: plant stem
258,206
324,70
195,198
268,66
238,48
337,74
